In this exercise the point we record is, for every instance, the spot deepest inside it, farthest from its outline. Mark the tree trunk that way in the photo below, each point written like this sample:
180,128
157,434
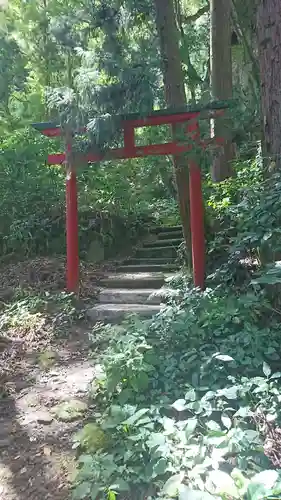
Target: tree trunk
45,35
175,98
46,56
269,41
221,82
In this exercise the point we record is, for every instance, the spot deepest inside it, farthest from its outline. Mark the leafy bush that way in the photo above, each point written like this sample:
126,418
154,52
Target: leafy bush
115,200
246,227
32,315
180,400
31,195
189,401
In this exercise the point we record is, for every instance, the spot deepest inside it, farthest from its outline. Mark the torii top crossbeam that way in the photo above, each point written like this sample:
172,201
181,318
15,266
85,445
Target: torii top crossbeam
128,123
132,121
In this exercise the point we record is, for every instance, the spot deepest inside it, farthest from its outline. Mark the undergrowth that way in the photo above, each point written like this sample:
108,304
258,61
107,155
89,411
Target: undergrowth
40,316
115,202
188,406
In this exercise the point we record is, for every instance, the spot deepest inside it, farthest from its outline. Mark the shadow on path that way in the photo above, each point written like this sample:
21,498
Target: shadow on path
37,460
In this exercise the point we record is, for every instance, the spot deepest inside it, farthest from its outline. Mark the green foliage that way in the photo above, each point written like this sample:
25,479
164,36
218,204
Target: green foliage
180,398
184,407
259,226
13,75
31,195
247,227
115,200
44,315
92,60
190,400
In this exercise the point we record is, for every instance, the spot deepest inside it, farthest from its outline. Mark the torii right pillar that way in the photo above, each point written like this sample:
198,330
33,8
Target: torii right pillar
196,214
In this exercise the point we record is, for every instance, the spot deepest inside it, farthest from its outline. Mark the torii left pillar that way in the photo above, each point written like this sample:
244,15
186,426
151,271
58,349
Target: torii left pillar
72,252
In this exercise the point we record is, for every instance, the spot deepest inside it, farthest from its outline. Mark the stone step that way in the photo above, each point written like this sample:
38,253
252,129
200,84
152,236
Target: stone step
154,251
129,296
149,261
175,242
166,229
117,312
143,268
134,280
170,235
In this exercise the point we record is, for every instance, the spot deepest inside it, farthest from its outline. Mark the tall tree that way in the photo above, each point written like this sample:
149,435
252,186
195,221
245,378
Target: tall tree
13,76
269,41
175,97
194,46
221,80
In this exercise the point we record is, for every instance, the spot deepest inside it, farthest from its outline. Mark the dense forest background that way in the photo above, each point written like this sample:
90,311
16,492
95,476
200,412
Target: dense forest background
85,60
189,404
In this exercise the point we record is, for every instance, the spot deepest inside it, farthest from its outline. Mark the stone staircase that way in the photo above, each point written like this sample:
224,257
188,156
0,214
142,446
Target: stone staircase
130,289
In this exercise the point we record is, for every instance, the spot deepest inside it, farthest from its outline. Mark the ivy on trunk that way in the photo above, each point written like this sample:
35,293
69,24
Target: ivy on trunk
221,81
269,42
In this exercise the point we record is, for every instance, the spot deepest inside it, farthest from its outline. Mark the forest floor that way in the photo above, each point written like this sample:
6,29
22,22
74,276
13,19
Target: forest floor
45,374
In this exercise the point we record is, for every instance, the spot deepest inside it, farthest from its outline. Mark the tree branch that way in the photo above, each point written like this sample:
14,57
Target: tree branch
194,17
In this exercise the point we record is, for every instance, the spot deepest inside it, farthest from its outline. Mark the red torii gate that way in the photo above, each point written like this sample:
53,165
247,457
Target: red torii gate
129,123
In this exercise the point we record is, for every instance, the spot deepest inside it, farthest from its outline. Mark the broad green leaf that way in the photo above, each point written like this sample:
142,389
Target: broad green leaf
256,491
266,369
82,490
271,417
196,406
209,395
140,382
112,382
120,485
190,395
171,487
261,388
95,492
223,357
190,426
229,392
267,279
143,422
216,438
244,411
226,421
251,435
85,459
241,481
160,467
223,483
186,493
213,426
111,495
137,416
275,375
169,425
179,405
156,439
195,379
117,414
219,452
267,478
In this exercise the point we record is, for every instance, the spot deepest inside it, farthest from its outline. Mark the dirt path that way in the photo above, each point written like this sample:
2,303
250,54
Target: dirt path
36,456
